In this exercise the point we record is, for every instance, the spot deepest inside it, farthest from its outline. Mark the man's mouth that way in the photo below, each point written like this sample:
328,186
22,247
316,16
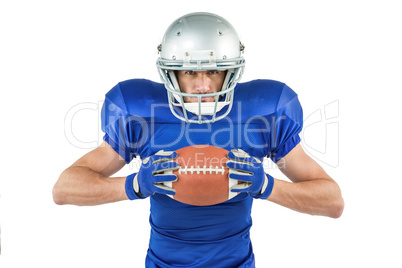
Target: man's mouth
202,99
207,99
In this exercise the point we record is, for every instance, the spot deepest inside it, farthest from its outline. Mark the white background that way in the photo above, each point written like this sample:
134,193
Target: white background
342,55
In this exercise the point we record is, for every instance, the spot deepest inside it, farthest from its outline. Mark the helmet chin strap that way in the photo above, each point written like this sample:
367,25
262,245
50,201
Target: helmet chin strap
206,108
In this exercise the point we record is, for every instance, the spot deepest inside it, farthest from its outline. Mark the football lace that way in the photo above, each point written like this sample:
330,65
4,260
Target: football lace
203,170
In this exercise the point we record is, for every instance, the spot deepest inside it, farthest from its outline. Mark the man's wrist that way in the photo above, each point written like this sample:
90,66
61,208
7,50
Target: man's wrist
267,187
131,185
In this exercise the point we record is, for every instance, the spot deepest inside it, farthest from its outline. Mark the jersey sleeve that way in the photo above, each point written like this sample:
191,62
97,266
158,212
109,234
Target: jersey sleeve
115,123
287,126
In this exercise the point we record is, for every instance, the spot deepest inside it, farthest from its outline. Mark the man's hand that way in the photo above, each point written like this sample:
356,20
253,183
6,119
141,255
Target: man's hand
243,167
154,171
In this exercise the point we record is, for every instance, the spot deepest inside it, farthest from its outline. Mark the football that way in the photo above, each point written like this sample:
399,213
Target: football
202,179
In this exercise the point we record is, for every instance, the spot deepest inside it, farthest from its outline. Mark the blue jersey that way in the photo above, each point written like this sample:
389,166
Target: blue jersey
265,121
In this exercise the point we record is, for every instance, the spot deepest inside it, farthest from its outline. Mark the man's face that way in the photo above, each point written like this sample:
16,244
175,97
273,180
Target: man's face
200,82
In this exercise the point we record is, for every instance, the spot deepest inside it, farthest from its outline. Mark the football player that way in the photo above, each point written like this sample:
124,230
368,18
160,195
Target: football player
201,102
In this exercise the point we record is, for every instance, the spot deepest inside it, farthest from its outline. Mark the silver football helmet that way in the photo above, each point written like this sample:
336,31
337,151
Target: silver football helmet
198,42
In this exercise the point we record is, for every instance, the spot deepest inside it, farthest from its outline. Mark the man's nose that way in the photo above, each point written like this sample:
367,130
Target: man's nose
203,83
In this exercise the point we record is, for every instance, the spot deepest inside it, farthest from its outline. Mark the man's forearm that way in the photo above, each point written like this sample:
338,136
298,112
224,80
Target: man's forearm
82,186
316,197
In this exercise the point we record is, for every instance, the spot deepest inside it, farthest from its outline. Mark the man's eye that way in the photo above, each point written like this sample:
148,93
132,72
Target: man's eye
213,72
190,72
